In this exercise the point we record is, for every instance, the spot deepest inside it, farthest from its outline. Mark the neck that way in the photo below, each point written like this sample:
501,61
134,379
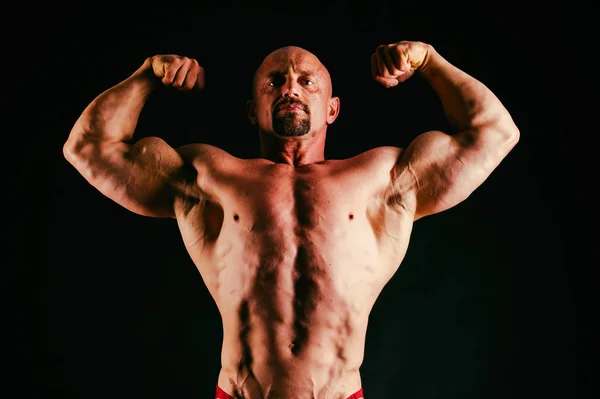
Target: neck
293,151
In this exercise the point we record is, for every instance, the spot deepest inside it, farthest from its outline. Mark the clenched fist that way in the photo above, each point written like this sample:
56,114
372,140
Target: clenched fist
394,63
182,73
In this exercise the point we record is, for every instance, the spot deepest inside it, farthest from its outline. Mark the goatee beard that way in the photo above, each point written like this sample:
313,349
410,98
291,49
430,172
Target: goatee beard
289,125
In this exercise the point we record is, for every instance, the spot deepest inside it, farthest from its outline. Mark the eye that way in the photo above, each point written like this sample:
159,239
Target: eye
276,81
308,82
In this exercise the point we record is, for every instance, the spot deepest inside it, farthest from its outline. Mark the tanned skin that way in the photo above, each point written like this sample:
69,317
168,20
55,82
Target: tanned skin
294,248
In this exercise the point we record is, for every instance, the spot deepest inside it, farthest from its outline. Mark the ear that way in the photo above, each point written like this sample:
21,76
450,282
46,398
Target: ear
333,109
251,111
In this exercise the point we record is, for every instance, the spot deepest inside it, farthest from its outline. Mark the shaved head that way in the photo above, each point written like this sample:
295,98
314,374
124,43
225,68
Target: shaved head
293,56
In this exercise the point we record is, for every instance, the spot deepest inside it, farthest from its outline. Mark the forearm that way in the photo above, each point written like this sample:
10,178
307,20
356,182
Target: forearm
468,104
113,115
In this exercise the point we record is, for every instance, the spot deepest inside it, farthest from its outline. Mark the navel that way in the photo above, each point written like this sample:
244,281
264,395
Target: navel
236,217
351,216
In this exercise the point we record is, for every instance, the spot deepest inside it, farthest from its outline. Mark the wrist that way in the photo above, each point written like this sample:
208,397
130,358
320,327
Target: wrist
144,76
429,60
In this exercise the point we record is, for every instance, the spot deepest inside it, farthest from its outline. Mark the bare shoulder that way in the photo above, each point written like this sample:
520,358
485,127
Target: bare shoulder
200,153
205,162
378,159
371,170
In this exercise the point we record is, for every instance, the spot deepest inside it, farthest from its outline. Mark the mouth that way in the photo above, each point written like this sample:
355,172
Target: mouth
290,107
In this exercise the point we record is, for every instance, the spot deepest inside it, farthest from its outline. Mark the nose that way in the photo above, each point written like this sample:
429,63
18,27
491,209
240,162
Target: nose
290,89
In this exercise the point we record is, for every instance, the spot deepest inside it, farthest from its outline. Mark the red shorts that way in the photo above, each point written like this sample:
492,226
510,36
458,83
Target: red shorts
221,394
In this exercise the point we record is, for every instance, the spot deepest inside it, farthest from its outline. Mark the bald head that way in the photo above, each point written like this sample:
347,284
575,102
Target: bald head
296,59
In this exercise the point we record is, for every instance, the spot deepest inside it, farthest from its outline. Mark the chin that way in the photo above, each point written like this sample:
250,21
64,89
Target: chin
291,127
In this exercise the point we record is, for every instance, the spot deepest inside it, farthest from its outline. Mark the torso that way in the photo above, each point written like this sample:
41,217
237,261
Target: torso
295,259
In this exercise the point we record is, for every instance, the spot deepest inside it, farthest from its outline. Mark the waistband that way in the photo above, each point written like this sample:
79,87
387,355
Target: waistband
221,394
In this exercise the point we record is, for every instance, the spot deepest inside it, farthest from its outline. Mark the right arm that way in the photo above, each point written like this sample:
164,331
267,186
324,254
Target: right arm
144,176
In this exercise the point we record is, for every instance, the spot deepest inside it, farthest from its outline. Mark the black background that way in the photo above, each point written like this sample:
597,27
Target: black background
495,298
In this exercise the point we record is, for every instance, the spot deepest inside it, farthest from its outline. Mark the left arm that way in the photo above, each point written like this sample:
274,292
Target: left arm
437,170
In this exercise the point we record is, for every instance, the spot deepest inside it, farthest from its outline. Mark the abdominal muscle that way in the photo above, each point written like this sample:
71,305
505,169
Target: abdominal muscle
294,286
295,312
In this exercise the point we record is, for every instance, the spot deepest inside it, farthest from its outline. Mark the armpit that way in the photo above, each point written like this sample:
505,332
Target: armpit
189,196
404,185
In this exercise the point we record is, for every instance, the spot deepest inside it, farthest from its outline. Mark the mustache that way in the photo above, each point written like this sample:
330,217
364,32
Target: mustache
290,101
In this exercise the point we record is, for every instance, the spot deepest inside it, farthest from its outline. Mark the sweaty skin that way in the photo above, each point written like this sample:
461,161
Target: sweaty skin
294,249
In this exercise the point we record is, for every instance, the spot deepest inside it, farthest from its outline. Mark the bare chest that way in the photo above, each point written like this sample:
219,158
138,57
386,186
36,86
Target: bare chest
270,231
297,204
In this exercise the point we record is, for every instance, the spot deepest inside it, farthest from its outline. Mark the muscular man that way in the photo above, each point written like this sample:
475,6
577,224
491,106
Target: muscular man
294,248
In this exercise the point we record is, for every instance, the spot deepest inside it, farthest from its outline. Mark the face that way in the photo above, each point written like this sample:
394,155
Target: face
292,94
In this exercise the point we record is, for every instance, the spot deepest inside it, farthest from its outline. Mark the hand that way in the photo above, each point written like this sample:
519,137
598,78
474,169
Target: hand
394,63
182,73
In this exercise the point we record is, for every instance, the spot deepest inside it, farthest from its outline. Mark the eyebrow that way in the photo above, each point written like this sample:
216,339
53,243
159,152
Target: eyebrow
279,73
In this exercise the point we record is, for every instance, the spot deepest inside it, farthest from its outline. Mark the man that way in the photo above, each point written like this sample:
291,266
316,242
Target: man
294,249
